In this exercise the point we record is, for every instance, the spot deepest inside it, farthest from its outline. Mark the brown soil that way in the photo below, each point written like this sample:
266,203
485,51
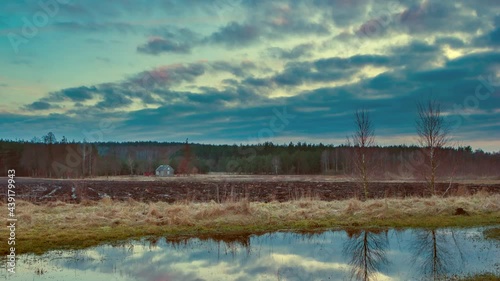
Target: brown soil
199,188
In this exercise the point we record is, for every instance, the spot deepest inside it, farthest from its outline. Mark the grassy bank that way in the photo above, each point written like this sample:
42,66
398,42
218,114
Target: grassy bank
60,225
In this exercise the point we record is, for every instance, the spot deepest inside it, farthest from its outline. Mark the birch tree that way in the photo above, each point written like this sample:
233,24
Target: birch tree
433,135
362,139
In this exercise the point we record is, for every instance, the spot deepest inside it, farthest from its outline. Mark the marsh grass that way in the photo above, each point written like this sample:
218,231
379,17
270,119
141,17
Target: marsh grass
59,225
492,233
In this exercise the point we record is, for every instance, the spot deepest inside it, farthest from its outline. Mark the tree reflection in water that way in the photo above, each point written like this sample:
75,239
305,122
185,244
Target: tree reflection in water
431,255
366,250
231,244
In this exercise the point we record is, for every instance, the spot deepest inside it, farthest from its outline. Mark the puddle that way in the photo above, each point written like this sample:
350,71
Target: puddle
411,254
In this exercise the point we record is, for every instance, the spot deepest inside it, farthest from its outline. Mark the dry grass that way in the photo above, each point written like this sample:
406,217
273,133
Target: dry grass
101,213
57,224
492,233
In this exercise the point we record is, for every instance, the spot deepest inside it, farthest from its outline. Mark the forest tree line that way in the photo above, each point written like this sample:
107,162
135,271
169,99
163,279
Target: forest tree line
48,157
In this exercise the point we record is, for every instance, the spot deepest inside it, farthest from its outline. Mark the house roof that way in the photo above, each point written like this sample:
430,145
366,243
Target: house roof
164,168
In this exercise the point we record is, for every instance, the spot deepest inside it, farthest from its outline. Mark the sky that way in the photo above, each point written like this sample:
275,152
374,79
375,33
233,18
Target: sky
248,71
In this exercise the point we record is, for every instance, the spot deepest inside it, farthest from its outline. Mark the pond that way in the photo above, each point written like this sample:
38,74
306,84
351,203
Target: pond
411,254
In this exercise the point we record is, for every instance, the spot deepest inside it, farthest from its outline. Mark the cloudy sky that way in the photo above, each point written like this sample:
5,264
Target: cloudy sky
221,71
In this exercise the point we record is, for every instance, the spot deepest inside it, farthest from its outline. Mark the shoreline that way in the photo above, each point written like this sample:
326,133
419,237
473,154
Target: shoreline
59,225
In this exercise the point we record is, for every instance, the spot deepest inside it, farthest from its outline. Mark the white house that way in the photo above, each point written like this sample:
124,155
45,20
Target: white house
164,171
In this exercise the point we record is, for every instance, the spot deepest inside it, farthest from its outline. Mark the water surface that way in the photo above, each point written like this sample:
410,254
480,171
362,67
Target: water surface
413,254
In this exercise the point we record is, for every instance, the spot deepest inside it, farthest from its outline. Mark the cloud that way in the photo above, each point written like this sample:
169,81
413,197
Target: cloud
416,54
387,81
440,75
343,13
299,73
430,17
452,42
153,87
168,75
299,51
74,26
40,105
235,34
418,47
257,82
241,70
170,39
491,38
217,69
351,62
156,45
77,94
288,18
274,21
320,70
479,62
113,99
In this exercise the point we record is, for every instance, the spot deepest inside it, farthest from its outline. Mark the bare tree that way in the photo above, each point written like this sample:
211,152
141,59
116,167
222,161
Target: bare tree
131,163
433,253
276,163
325,161
50,140
433,134
362,139
367,252
84,156
185,164
149,160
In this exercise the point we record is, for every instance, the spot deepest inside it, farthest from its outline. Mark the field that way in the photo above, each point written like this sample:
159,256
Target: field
220,188
62,214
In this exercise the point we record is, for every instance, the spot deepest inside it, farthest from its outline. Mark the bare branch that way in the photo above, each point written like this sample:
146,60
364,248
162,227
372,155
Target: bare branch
365,134
433,134
363,137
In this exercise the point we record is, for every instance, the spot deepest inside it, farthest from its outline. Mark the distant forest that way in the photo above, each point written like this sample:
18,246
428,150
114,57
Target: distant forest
48,157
